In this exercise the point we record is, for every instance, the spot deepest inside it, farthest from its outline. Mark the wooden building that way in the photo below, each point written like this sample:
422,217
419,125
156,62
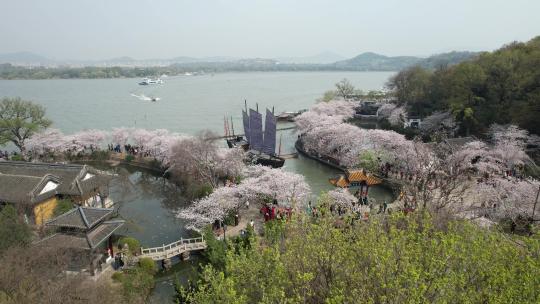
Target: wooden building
87,233
35,188
34,196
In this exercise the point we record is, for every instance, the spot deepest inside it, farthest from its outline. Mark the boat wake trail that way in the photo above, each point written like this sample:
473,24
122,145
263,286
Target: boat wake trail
145,98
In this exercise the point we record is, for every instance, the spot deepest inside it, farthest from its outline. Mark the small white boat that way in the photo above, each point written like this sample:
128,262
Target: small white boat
149,81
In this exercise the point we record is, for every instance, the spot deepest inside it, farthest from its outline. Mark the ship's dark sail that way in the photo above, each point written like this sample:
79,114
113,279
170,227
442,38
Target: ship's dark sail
245,118
269,140
255,127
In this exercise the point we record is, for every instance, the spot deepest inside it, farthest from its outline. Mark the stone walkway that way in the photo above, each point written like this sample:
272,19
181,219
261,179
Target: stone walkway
246,215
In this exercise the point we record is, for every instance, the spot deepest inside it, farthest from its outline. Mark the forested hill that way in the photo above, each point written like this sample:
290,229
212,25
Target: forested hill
362,62
376,62
499,87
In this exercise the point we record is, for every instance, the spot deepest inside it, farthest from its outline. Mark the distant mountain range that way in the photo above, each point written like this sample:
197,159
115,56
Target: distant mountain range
324,61
25,59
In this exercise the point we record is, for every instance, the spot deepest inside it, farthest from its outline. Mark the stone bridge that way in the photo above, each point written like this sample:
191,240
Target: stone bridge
180,247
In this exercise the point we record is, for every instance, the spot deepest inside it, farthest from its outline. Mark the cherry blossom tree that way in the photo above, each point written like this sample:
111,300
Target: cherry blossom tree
510,142
342,197
162,143
439,122
288,189
436,178
310,120
339,108
141,137
120,136
398,116
196,158
386,109
47,141
507,198
92,139
215,206
230,162
325,134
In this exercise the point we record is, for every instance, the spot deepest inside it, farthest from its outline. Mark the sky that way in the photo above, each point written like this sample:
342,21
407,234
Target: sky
100,29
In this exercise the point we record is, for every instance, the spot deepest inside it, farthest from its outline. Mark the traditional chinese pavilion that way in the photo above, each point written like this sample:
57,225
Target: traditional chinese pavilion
356,178
87,232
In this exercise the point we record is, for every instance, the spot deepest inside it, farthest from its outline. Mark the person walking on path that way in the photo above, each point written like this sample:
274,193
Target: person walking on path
247,204
252,224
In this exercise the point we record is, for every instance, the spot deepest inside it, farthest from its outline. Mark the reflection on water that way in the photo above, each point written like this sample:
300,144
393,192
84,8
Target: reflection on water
183,271
147,202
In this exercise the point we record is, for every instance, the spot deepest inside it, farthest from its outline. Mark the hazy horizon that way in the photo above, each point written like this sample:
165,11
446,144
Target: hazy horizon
98,30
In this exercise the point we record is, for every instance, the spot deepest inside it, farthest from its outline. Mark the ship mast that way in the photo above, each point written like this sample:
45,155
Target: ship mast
279,150
226,126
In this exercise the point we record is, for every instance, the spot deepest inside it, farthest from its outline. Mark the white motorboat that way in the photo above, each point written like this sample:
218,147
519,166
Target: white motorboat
150,81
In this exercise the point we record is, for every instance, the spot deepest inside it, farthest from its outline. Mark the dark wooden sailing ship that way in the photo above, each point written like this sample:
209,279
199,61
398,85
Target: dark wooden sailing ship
260,146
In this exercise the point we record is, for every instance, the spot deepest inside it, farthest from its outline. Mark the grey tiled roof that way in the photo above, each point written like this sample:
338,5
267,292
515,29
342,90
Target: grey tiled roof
89,240
66,241
71,176
24,188
102,232
81,217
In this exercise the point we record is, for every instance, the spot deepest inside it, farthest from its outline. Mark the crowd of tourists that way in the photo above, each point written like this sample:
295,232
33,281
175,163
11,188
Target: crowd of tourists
5,155
129,149
274,212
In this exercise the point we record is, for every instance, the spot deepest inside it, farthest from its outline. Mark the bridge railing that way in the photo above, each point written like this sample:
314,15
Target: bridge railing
166,248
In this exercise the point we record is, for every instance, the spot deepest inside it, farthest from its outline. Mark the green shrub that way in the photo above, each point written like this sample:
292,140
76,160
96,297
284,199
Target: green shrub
100,155
148,265
62,207
274,231
368,161
13,231
216,250
395,259
17,157
200,191
133,244
229,219
118,276
137,283
129,158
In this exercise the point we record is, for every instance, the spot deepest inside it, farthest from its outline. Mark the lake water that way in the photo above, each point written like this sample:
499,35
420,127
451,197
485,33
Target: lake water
188,104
